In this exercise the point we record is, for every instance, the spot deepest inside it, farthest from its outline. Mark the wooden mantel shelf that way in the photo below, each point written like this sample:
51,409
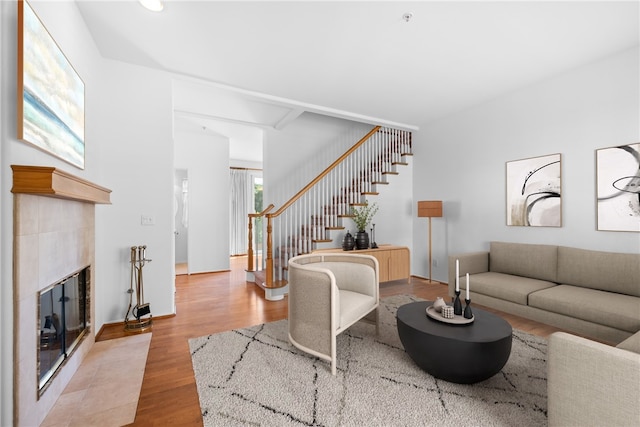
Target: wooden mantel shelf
52,182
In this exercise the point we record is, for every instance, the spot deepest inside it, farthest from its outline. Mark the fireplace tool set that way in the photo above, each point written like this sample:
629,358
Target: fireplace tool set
140,309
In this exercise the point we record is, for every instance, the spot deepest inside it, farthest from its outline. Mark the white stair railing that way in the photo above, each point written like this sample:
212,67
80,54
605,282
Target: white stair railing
309,217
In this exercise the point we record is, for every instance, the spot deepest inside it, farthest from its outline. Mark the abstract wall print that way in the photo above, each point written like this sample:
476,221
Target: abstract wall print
534,192
618,181
50,92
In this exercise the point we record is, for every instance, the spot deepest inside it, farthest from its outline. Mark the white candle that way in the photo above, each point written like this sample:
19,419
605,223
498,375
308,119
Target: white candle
467,285
457,276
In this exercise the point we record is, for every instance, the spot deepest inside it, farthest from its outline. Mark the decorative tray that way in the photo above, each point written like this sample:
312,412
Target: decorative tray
457,319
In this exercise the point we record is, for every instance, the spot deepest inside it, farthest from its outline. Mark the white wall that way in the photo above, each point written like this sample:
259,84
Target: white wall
461,160
206,157
137,164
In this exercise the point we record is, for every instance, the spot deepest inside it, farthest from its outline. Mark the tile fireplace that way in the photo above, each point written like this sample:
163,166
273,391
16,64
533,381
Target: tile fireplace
54,238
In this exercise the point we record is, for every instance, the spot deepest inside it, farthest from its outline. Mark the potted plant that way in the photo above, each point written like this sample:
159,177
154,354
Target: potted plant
362,216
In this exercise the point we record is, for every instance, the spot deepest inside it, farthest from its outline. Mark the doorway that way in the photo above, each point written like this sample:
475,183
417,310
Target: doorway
181,212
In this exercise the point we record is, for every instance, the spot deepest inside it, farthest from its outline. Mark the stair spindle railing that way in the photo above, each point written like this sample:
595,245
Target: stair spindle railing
307,219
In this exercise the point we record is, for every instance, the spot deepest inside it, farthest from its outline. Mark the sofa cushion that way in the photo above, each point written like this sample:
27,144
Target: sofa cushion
605,308
527,260
504,286
632,343
615,272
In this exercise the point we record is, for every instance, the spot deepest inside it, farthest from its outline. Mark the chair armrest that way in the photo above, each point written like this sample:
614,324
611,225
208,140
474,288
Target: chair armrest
471,262
591,384
313,306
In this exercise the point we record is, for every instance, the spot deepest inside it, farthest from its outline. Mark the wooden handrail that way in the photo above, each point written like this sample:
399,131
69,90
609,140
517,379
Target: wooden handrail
324,173
263,213
250,234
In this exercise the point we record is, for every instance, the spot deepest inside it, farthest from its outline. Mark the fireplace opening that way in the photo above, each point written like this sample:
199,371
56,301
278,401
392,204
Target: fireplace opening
63,319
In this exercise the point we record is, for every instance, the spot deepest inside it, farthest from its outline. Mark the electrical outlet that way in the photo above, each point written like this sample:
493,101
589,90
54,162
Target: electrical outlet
147,220
434,262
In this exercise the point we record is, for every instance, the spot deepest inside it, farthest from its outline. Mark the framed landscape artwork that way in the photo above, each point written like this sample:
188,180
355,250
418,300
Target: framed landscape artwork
50,92
618,182
534,192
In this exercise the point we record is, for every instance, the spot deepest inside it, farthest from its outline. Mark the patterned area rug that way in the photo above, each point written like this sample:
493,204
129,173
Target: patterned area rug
254,376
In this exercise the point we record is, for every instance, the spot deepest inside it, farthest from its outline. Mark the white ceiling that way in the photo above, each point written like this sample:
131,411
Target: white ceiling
356,58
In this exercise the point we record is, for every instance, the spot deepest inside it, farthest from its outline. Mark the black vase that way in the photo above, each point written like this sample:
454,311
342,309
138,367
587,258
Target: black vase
362,240
348,243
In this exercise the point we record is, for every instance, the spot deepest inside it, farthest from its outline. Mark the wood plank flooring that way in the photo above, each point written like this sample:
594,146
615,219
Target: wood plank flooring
217,302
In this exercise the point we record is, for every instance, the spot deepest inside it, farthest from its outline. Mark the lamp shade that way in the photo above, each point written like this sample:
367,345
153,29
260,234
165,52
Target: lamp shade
430,209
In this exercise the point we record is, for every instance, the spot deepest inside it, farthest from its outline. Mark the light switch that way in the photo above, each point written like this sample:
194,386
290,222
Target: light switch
147,220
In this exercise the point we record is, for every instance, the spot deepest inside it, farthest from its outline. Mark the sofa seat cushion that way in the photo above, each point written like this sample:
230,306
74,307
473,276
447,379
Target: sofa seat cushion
504,286
601,307
632,343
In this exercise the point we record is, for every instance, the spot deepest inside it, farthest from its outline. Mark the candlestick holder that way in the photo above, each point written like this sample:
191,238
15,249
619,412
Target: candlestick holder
457,305
374,245
467,310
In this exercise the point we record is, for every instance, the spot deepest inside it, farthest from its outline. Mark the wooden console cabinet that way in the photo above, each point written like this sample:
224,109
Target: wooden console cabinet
394,261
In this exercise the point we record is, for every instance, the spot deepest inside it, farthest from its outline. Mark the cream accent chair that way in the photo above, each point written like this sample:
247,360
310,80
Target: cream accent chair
327,294
593,384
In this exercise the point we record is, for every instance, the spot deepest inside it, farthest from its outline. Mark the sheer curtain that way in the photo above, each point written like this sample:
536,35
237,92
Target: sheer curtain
241,205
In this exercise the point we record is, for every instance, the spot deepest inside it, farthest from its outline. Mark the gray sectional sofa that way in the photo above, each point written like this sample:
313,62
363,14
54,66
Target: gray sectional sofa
592,293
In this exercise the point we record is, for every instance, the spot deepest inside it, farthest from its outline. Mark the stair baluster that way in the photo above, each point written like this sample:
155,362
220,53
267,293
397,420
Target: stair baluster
308,218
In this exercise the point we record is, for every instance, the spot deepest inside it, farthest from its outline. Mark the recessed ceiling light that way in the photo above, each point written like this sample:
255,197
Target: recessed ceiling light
153,5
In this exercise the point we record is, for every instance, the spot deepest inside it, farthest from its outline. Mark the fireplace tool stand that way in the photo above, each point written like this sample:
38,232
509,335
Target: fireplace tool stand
139,323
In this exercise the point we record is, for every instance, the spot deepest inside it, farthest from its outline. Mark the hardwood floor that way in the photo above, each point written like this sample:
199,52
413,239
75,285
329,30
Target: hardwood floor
217,302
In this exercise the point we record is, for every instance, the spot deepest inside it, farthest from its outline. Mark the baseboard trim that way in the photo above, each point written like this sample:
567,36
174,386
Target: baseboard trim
121,324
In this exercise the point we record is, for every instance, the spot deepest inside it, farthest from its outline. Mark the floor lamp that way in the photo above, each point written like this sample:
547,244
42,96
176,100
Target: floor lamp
430,209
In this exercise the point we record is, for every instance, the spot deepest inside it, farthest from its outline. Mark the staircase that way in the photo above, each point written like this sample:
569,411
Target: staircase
313,217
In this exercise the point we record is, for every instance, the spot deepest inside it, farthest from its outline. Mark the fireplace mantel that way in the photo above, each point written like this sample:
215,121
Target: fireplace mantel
53,182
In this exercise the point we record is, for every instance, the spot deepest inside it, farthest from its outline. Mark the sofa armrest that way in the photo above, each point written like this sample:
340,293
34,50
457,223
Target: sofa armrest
591,384
471,262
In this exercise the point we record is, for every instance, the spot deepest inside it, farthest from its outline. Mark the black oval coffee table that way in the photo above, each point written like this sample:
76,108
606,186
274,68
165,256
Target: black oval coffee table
461,354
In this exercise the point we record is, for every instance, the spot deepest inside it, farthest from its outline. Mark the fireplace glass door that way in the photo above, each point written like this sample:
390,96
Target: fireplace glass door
63,319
